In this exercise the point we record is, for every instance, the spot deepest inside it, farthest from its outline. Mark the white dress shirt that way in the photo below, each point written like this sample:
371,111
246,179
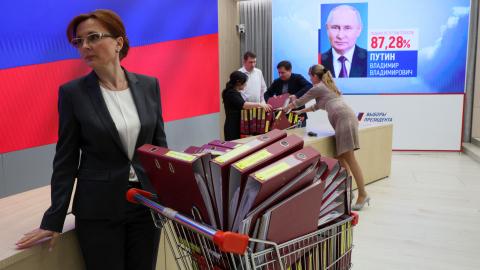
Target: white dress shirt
337,65
255,87
124,114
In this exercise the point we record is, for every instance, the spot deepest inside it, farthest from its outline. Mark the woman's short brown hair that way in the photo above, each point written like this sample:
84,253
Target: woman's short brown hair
109,20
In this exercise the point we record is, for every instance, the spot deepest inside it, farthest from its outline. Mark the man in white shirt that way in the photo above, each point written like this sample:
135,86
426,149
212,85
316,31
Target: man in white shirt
256,86
345,59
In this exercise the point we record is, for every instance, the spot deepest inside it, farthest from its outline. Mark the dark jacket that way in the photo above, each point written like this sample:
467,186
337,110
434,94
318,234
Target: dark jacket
89,149
297,85
359,62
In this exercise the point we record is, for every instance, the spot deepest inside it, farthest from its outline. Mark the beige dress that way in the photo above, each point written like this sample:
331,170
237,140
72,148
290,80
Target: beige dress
340,115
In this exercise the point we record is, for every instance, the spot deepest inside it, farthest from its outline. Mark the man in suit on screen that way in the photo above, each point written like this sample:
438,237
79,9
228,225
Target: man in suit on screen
345,59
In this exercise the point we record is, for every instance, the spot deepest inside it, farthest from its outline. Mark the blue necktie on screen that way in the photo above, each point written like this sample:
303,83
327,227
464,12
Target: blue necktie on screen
343,71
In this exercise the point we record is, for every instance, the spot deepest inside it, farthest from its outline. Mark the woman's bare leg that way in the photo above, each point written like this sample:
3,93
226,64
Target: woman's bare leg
356,171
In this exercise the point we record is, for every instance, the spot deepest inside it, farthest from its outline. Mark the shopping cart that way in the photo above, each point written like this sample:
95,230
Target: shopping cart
197,246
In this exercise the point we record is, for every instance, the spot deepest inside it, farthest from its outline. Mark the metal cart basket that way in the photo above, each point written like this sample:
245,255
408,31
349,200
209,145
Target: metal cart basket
197,246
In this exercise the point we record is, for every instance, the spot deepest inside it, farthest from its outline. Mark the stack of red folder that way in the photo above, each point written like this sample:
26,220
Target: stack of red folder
274,183
257,121
240,170
253,188
336,199
172,173
252,122
220,168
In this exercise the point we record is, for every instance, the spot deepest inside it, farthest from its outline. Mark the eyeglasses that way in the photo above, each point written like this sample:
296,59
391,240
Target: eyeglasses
90,38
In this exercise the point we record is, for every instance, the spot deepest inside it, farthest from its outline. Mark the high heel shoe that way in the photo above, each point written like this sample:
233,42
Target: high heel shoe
359,206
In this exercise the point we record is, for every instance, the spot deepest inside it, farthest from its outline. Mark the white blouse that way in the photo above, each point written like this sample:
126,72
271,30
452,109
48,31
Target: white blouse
124,113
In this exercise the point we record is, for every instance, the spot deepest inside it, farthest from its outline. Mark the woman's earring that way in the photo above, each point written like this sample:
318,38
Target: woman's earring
117,50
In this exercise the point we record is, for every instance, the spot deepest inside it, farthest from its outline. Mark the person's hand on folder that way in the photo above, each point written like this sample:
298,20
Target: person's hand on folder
292,98
37,236
266,107
298,112
289,108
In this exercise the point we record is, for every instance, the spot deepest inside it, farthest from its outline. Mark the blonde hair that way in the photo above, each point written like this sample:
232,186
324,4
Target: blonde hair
325,76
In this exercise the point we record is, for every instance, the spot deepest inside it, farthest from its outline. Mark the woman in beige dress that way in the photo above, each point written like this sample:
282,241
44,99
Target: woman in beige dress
342,119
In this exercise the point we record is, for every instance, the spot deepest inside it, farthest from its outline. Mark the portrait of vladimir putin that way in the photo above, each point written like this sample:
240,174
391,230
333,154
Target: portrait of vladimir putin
345,58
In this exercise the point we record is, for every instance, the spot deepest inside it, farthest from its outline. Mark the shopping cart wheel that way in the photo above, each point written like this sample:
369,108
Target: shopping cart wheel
355,218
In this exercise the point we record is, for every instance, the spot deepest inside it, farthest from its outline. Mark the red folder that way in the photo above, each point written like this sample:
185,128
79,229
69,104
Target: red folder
281,121
295,119
299,210
259,121
339,200
240,170
220,168
251,122
274,183
246,120
214,150
262,126
336,199
329,219
333,170
278,102
269,121
348,199
243,129
173,173
193,150
338,184
244,123
225,144
254,116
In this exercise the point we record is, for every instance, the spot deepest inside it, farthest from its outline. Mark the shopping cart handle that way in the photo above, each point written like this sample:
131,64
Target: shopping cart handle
355,218
231,242
131,193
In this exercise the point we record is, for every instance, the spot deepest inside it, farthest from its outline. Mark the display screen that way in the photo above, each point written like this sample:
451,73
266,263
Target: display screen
376,46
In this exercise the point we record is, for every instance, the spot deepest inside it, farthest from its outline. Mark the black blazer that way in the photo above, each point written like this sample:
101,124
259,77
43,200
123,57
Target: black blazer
297,85
359,62
89,149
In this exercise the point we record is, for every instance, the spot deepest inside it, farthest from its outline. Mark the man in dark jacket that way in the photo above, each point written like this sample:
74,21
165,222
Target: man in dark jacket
288,82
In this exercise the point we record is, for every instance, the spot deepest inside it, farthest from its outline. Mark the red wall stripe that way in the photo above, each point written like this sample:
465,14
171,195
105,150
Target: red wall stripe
187,70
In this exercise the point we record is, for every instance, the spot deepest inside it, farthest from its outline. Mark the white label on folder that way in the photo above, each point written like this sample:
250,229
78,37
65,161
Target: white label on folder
253,159
266,174
231,154
180,156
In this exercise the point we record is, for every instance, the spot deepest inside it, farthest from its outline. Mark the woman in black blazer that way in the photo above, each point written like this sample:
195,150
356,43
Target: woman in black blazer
104,117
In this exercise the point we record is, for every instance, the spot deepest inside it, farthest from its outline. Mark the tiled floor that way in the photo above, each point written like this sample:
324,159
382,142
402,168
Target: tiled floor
426,215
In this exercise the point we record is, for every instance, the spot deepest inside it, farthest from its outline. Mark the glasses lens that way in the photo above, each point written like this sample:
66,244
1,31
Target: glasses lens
94,37
77,42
